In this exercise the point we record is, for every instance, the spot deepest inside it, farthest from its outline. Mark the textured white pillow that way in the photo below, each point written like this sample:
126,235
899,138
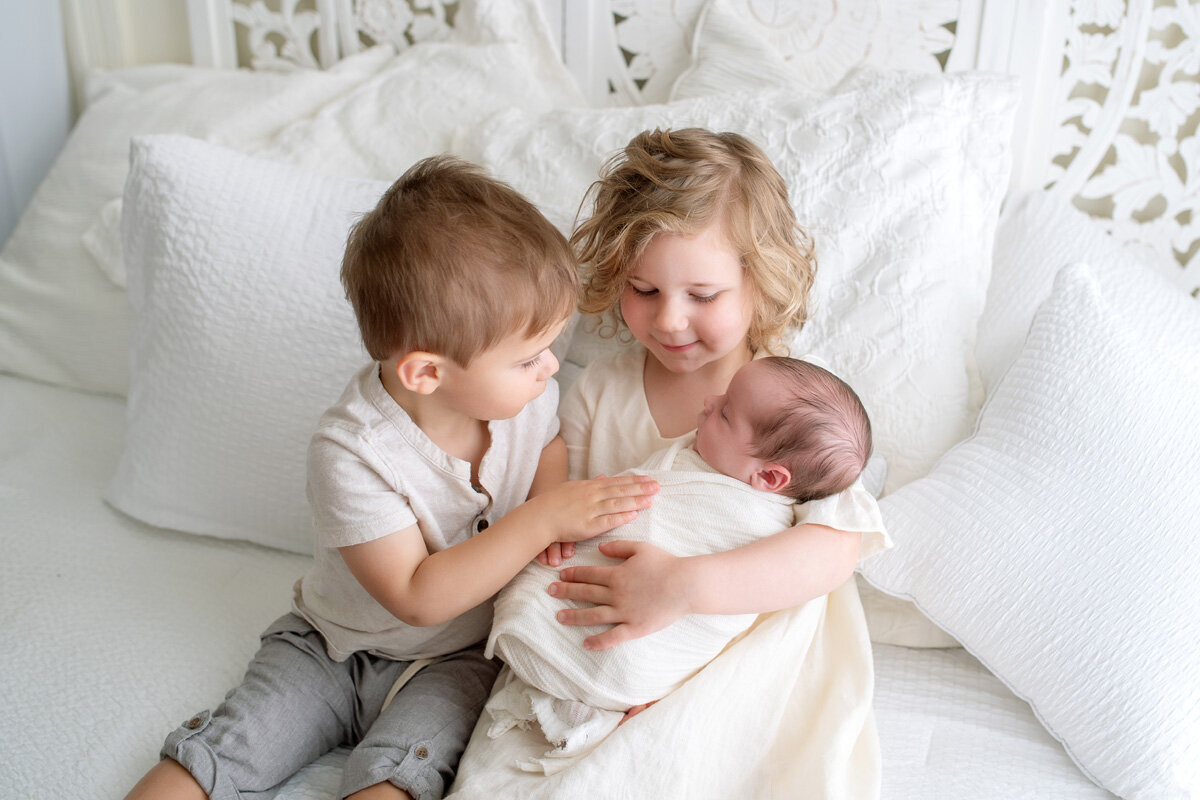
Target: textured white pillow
1040,233
898,177
62,320
243,336
1060,543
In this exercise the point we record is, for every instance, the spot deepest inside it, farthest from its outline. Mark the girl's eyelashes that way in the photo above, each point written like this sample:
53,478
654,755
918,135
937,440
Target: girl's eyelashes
533,362
699,298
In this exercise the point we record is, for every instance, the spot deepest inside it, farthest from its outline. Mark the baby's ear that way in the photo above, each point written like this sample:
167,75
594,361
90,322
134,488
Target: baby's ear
771,478
420,372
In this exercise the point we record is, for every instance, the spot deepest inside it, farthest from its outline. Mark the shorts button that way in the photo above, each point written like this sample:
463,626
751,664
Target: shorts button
193,723
421,752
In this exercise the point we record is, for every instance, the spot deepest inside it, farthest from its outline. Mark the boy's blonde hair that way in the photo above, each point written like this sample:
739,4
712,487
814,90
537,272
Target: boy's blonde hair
822,434
451,261
681,182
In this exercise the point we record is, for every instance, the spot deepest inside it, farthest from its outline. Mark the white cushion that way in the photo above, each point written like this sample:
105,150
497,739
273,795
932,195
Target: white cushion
243,336
1040,233
1060,542
62,320
899,179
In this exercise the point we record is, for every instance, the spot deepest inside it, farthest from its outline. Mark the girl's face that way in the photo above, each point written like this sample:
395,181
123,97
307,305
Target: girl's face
688,302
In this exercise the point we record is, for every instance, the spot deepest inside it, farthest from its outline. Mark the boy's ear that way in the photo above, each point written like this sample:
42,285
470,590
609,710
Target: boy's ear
771,477
420,372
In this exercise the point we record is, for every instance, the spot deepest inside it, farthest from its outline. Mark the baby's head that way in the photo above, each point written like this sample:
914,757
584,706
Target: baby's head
452,261
684,182
788,427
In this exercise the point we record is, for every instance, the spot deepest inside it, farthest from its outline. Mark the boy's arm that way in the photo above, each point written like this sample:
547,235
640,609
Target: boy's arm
422,588
651,588
551,472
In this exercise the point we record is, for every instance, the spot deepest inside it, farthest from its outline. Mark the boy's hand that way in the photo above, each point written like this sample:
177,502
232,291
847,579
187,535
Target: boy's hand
554,555
644,593
579,510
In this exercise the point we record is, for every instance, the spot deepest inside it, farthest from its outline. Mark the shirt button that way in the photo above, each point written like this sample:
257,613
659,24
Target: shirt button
193,723
421,752
481,526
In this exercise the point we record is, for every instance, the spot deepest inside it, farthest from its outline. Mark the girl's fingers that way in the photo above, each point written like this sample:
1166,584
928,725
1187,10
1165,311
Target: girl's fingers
610,638
617,548
596,575
594,615
582,592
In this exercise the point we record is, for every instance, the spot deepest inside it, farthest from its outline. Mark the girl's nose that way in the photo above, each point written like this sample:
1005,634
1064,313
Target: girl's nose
708,403
670,317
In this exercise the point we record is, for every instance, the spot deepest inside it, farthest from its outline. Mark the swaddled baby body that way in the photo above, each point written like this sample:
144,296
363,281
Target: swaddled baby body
786,431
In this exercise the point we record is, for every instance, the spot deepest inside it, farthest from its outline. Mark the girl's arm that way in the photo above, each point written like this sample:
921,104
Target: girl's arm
651,588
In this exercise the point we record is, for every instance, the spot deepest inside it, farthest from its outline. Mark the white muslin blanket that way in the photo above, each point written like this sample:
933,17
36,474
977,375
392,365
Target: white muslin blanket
578,696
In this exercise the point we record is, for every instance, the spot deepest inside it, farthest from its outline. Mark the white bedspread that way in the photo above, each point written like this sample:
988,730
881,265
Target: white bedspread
113,632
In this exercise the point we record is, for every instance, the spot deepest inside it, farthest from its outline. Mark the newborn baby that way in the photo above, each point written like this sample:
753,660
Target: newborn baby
786,432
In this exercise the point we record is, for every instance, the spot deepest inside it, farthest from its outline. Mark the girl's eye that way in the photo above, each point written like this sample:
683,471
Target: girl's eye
642,292
705,298
533,362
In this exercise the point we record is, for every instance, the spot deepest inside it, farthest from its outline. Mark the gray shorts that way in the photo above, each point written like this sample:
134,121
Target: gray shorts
296,704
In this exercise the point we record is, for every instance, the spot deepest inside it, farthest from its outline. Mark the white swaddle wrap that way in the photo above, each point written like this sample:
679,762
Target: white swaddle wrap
697,511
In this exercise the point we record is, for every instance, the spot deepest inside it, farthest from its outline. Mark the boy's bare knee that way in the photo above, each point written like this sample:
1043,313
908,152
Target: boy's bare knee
380,791
167,779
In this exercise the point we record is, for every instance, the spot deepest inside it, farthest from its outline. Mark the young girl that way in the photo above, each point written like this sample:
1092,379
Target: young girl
694,246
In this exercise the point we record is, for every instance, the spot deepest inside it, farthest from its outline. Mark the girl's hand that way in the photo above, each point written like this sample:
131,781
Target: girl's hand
554,555
643,594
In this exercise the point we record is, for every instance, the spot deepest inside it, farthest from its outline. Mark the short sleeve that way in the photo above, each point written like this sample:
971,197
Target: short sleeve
352,495
575,426
854,510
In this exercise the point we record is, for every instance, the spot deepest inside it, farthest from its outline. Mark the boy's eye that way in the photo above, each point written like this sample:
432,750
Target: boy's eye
533,362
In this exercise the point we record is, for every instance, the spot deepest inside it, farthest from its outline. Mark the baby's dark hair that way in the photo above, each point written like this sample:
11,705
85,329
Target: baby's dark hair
822,433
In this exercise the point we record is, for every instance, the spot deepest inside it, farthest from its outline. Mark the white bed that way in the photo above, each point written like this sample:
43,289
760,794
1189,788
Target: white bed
131,388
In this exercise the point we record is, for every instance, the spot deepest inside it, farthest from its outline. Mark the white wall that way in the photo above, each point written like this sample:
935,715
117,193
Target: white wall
35,101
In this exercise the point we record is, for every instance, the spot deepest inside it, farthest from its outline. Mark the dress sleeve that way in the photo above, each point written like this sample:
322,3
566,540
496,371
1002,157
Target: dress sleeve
854,510
576,418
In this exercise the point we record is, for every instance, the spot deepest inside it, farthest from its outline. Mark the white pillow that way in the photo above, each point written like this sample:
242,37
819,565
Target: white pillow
736,49
1060,543
243,336
61,319
1040,233
898,177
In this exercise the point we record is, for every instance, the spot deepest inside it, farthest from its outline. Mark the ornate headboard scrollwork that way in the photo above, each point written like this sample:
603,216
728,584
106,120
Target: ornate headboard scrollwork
1111,87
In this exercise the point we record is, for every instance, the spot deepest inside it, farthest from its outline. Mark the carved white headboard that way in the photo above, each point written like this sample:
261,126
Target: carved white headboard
1111,87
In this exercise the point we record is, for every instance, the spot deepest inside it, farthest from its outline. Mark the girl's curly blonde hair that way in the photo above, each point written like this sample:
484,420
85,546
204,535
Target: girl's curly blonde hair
681,182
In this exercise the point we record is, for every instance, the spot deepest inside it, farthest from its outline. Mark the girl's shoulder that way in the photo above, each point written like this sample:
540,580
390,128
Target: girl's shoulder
623,365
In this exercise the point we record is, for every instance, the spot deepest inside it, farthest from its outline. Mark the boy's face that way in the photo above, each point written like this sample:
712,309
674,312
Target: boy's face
501,380
724,428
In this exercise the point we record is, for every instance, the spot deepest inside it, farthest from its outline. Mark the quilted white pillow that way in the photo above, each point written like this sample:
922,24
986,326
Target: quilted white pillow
898,177
61,319
1040,233
1060,543
243,336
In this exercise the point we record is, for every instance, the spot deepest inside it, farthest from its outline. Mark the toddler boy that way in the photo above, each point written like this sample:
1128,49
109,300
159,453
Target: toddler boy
418,479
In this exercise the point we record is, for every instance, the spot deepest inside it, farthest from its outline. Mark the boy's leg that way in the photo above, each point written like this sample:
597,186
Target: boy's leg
415,744
293,705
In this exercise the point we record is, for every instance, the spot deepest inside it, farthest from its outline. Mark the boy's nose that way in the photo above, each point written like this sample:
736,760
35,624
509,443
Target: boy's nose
549,366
